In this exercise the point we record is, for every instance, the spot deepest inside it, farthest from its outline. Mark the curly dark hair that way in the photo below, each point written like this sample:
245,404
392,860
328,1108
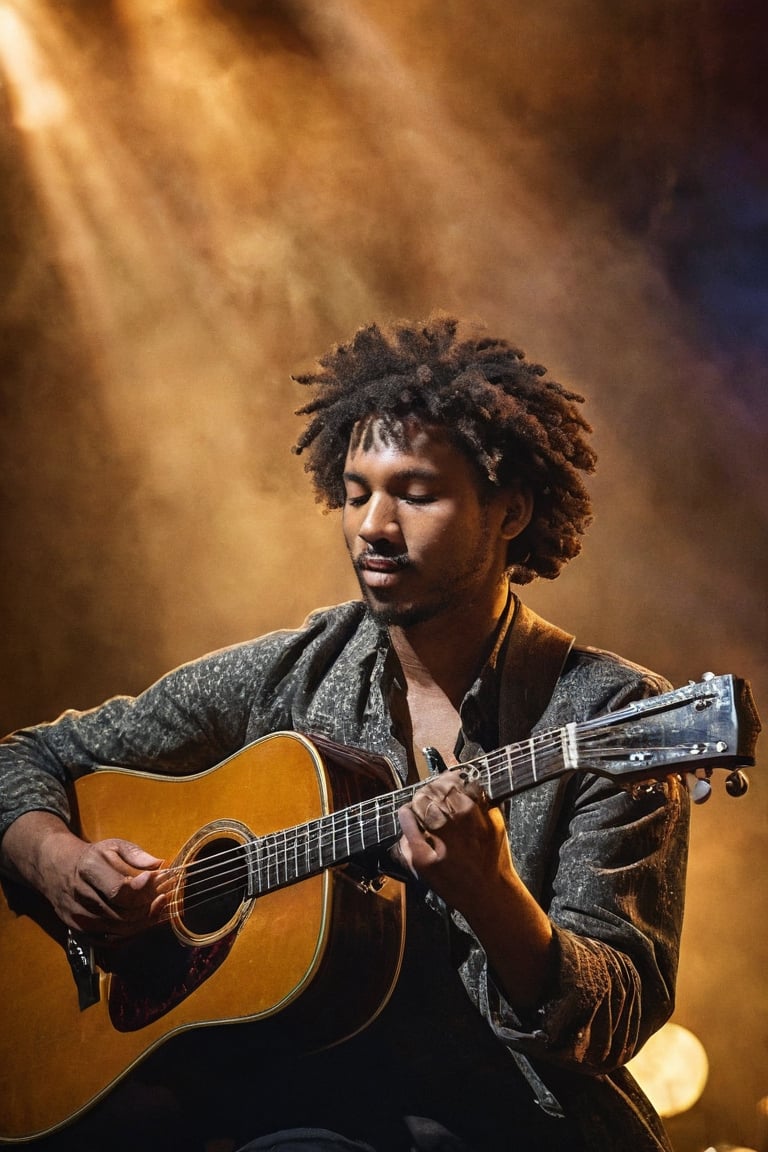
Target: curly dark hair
495,406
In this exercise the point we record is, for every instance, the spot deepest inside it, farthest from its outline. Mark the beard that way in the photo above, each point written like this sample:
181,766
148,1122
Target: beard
400,615
454,589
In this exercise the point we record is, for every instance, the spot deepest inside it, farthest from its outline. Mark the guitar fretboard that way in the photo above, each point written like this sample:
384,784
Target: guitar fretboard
293,854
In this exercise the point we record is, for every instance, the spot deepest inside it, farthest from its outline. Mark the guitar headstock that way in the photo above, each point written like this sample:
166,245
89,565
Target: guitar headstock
711,723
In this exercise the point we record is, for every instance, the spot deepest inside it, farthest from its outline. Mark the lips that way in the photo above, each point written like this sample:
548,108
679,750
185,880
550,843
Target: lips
378,564
379,571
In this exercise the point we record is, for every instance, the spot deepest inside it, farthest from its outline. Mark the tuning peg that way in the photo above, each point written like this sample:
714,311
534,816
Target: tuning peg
699,788
736,783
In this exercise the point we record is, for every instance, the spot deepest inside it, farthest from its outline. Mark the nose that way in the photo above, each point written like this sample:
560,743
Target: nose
380,521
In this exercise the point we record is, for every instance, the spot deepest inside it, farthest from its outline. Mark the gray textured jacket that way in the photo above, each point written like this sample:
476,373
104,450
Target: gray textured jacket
608,867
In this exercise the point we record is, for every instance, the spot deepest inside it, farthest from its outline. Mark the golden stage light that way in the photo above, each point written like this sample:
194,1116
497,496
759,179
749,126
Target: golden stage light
672,1069
38,100
728,1148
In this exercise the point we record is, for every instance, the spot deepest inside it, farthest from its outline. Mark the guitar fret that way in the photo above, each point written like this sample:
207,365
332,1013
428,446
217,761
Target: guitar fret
313,848
532,748
347,847
359,842
279,856
568,741
270,870
339,827
300,851
308,849
253,886
508,754
389,827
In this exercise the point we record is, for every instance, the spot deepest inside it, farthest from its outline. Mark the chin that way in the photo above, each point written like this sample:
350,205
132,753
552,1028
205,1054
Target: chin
398,615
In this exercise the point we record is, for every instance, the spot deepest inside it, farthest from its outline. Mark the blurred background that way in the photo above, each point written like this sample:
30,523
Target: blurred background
197,197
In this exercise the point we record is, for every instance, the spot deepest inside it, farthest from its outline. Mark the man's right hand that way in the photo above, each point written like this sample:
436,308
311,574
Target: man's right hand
109,890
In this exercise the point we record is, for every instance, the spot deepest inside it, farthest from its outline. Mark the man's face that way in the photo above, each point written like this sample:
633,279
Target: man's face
424,536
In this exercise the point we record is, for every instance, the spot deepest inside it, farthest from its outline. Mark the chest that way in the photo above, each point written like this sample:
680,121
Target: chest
425,718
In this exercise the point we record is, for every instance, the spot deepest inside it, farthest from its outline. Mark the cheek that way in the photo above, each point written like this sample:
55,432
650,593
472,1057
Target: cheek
435,532
452,522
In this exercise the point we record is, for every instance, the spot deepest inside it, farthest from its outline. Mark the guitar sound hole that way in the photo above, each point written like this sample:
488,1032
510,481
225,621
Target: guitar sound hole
215,886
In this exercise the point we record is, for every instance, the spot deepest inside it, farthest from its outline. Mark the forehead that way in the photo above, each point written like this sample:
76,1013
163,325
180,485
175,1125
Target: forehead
379,437
381,450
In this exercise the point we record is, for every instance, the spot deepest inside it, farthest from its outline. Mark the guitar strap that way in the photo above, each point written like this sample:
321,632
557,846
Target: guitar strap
535,654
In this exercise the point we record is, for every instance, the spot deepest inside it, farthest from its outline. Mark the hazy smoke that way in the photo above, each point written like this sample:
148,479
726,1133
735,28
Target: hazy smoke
198,199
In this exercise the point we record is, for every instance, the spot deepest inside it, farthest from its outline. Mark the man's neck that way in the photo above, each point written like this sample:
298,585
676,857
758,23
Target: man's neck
447,652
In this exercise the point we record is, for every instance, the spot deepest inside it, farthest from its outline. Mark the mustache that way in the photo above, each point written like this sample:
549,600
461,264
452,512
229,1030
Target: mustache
399,559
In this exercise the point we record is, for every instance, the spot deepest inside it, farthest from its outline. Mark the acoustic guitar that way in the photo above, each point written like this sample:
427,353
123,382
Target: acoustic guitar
278,898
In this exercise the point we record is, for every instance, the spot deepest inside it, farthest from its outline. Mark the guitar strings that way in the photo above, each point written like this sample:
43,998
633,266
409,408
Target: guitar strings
277,848
289,862
199,889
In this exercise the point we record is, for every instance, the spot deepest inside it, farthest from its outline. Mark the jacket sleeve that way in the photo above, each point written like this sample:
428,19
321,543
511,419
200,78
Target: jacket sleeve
617,914
615,898
186,722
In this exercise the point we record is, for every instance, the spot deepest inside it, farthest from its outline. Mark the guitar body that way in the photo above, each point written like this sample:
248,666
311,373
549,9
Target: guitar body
296,951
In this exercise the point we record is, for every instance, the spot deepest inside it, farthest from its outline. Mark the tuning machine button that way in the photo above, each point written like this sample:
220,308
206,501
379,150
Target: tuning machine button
736,783
699,788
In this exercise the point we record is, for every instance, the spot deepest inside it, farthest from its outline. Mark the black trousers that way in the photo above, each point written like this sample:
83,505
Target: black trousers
306,1140
428,1136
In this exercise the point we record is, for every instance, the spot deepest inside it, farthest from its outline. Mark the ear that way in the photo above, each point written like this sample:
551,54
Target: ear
518,512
